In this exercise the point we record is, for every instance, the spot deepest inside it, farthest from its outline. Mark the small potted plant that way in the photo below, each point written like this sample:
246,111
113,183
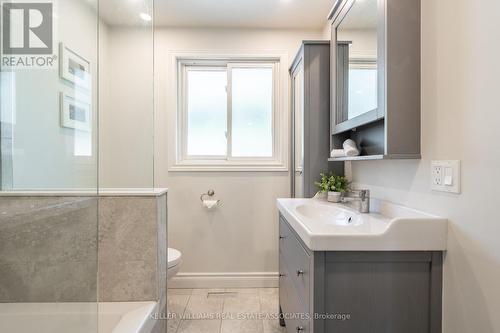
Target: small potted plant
333,185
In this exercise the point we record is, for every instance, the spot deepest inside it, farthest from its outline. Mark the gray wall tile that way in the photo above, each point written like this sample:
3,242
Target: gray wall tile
48,249
127,281
127,249
127,229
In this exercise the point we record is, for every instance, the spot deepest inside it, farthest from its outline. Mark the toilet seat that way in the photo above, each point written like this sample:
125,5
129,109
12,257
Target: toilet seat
174,257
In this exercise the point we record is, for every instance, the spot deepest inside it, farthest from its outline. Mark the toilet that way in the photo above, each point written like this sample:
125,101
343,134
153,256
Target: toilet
174,262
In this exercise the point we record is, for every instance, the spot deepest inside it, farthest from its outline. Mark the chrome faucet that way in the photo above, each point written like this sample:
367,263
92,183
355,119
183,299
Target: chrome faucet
361,196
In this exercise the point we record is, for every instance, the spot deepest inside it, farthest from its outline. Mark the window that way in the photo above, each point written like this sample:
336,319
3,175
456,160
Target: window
228,115
252,112
206,102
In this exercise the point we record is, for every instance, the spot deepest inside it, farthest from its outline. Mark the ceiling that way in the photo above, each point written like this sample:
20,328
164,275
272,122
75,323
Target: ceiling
274,14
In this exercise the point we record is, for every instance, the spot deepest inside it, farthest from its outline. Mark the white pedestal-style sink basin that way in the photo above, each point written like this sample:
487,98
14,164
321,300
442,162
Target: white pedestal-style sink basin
325,226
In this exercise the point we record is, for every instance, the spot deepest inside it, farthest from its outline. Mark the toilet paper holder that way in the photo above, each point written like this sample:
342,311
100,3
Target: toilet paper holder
209,196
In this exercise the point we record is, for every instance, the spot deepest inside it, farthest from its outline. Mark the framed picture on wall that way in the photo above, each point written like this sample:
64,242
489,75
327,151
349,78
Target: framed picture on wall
74,68
75,114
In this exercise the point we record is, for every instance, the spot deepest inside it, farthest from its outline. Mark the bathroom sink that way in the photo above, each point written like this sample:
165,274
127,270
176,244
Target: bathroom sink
325,226
329,214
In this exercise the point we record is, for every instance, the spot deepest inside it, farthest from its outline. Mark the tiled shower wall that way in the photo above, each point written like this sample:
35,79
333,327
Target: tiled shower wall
132,248
51,249
48,249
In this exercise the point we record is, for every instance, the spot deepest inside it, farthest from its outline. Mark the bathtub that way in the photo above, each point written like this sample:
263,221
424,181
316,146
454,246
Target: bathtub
125,317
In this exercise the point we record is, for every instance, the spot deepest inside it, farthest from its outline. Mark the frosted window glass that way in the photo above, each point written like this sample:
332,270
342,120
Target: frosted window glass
362,91
252,101
207,113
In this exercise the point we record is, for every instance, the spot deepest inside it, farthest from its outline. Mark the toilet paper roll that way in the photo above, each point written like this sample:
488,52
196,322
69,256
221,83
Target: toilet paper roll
210,204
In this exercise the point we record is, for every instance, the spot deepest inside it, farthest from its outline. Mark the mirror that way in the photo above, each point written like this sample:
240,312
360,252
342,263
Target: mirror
357,61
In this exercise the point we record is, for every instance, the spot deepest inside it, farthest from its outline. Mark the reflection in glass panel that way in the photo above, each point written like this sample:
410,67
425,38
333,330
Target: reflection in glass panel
252,112
7,120
357,59
49,106
362,90
207,112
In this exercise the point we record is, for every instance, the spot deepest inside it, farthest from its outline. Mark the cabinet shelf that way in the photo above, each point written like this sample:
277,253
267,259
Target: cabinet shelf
375,157
364,119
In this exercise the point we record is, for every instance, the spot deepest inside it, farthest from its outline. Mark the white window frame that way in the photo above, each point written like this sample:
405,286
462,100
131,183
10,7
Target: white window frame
180,161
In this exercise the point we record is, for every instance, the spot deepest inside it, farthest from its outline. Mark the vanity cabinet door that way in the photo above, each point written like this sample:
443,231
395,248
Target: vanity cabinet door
299,321
291,303
295,278
283,276
382,292
297,260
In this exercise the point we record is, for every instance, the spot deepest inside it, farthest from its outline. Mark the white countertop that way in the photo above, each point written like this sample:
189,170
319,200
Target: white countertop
325,226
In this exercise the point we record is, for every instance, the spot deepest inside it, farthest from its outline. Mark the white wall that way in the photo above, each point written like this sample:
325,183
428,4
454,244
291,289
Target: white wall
364,42
327,30
241,236
126,137
44,152
460,119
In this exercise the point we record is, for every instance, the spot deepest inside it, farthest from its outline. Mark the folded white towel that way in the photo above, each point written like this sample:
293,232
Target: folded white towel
350,143
351,152
337,153
350,148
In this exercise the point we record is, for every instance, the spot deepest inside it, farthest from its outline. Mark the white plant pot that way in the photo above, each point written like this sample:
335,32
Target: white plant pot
334,197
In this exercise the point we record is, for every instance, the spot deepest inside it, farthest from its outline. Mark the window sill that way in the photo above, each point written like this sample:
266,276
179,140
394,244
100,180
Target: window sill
227,167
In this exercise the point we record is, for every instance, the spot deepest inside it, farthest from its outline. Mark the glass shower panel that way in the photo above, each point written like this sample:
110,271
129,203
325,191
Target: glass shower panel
76,120
126,130
48,203
49,96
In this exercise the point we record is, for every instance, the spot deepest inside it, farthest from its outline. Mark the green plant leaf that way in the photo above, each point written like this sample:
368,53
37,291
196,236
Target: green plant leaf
331,182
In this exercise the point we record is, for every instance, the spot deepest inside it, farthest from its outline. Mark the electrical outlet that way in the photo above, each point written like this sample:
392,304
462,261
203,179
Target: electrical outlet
437,175
445,176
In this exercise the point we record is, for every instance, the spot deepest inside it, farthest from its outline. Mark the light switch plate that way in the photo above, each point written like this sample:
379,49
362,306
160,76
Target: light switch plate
445,176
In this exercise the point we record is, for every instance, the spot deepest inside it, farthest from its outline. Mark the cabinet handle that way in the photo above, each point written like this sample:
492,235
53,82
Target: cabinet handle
282,237
300,329
300,272
282,275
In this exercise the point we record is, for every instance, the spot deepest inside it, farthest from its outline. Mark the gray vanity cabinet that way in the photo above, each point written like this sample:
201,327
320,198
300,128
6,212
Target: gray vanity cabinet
310,79
358,292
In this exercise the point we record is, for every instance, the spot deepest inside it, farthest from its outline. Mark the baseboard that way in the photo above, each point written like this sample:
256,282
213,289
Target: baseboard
224,280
